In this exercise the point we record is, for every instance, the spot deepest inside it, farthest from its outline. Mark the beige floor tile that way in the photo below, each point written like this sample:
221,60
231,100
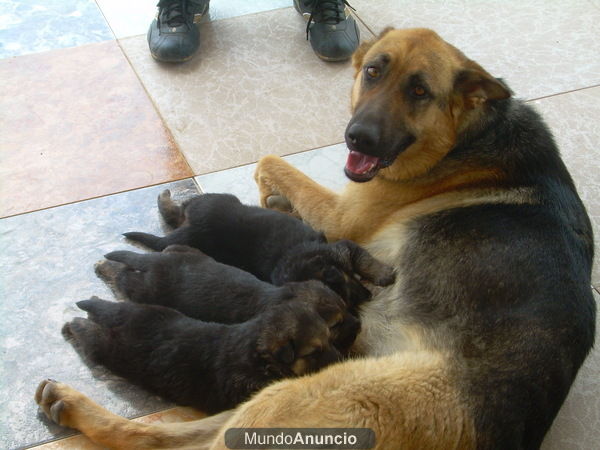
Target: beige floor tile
576,425
255,88
539,47
324,165
574,119
133,17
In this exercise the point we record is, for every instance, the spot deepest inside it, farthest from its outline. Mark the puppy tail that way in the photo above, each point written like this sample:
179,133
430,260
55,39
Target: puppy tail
170,211
130,259
149,240
102,312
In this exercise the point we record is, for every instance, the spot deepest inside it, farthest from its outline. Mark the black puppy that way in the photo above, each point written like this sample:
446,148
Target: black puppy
274,246
210,366
195,284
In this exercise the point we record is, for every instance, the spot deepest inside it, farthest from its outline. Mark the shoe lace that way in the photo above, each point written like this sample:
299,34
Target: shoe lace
326,11
172,12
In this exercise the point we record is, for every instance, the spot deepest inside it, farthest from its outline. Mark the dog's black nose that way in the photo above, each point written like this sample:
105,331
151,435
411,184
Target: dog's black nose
362,137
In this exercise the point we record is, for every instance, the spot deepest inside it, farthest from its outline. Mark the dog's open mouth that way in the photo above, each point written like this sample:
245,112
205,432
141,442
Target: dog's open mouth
361,167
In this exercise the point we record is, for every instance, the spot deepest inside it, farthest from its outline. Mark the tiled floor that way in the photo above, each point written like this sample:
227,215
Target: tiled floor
90,122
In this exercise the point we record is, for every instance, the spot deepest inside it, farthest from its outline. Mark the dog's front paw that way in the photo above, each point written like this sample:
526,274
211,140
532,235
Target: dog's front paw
57,400
263,180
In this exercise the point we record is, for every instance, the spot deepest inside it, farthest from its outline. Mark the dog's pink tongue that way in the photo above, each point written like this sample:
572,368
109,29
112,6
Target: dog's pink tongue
360,163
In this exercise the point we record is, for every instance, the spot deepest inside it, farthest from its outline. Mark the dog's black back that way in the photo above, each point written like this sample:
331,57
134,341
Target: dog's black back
210,366
518,275
248,237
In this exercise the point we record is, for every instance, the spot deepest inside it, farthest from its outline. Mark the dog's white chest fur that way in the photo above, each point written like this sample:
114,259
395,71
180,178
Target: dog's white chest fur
387,327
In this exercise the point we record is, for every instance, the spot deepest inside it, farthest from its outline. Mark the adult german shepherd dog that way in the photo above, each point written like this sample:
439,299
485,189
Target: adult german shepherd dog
461,188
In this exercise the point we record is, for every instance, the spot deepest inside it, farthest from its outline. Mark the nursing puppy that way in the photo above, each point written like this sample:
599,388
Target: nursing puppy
185,279
273,246
209,366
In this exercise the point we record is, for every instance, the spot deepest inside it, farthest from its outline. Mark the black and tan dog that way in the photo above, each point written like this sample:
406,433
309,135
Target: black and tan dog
491,315
185,279
271,245
210,366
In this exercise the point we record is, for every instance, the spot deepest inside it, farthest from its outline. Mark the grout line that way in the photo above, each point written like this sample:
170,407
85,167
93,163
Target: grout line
155,106
106,19
562,93
95,197
254,162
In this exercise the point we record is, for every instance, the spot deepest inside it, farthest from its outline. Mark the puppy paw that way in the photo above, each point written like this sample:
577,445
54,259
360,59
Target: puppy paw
385,277
280,203
57,401
108,270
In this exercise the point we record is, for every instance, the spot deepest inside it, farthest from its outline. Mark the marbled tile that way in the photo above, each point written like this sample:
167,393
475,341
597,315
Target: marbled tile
324,165
80,442
46,265
256,87
576,426
133,17
224,9
574,119
29,26
539,47
77,124
128,18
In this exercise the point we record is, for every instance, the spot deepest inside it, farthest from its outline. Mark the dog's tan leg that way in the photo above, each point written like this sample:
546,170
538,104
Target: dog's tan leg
410,401
70,408
316,204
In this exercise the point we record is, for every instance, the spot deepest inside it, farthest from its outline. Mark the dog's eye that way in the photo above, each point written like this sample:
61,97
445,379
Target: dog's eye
372,72
419,91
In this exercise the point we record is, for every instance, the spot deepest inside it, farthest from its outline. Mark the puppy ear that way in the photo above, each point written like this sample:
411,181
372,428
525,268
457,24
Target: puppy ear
477,86
363,48
285,354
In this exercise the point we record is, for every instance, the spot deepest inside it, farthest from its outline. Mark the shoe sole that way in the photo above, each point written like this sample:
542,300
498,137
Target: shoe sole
172,60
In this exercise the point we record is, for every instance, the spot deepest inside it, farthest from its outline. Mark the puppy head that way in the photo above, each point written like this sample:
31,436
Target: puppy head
295,340
413,95
343,326
340,266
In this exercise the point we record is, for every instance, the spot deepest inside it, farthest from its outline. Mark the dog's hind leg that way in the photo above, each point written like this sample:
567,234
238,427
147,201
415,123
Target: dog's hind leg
171,212
127,274
67,407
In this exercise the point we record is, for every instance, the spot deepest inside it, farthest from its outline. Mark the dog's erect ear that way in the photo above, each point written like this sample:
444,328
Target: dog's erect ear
363,48
477,86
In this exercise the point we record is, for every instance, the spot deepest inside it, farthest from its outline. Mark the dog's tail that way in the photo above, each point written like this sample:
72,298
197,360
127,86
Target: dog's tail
149,240
171,212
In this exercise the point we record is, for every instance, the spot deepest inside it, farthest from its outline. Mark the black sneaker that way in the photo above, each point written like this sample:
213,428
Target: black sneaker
173,35
333,31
